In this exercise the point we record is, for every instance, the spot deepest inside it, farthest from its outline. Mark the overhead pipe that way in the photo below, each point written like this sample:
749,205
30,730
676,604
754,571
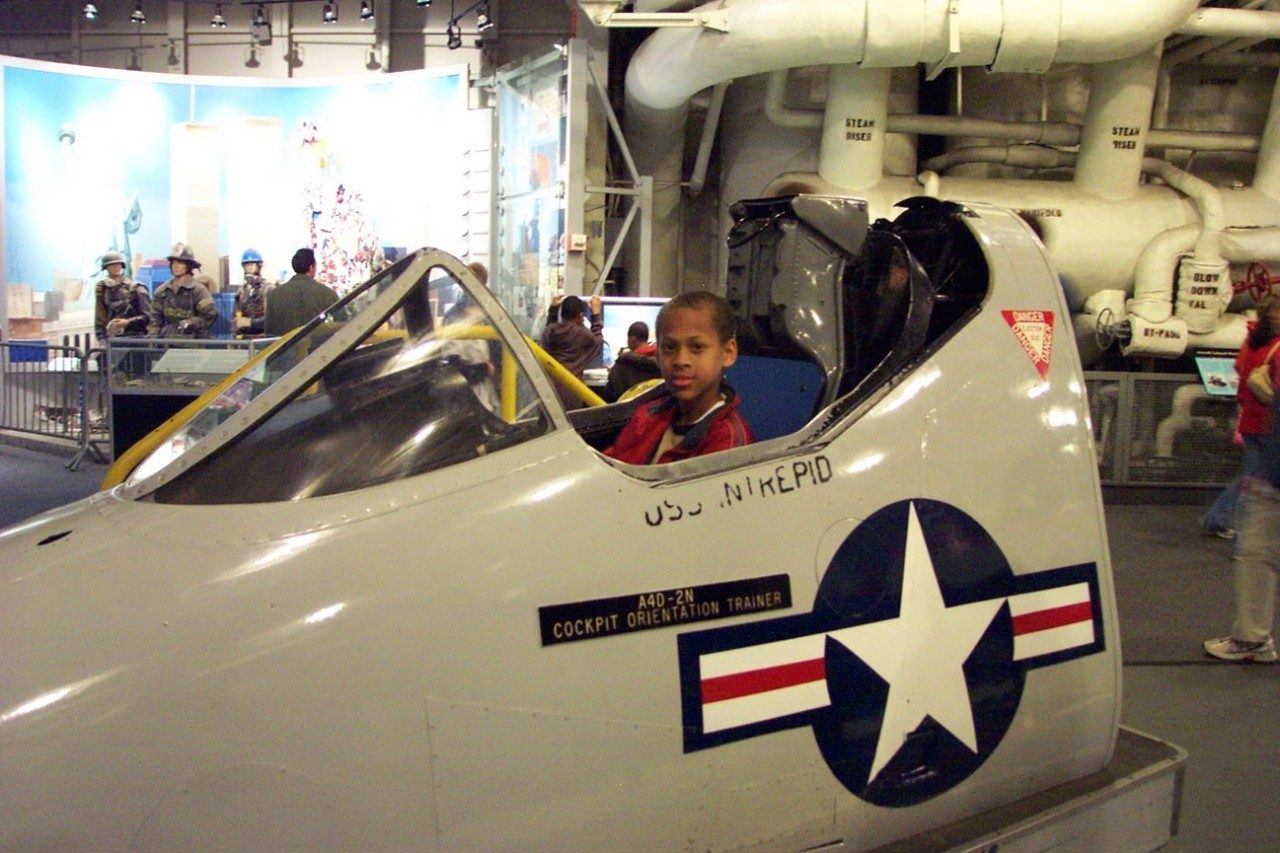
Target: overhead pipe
1060,133
776,109
767,35
1231,23
715,103
674,64
1020,156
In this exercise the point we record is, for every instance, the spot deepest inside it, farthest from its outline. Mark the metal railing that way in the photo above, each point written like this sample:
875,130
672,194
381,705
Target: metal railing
1161,430
56,392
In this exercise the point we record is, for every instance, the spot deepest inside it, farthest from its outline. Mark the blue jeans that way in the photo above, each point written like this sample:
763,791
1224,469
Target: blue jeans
1224,512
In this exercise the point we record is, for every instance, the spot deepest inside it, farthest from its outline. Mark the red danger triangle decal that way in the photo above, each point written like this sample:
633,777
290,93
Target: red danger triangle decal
1034,330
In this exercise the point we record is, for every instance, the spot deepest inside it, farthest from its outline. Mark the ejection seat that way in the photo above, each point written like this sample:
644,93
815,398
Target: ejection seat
829,306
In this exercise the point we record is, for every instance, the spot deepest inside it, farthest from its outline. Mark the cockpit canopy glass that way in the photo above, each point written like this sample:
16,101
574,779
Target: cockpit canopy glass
427,383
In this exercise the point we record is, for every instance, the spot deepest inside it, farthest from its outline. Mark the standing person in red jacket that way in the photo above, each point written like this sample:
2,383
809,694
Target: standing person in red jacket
569,342
697,412
1261,344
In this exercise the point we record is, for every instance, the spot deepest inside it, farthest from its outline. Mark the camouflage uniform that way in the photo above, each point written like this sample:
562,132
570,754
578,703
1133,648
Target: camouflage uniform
251,303
182,308
122,299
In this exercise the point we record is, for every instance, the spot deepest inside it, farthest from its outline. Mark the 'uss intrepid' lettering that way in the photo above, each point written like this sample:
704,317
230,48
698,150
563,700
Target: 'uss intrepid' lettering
784,478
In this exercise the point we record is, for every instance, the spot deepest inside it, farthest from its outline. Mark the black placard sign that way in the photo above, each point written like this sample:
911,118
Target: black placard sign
664,608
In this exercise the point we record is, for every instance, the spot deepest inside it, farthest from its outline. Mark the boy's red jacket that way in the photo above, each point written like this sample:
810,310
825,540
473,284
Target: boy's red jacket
724,429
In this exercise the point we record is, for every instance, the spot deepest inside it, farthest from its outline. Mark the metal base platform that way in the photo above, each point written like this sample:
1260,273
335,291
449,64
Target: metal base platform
1131,804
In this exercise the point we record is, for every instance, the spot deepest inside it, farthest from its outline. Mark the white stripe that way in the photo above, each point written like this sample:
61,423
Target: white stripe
1053,640
750,658
732,713
1047,599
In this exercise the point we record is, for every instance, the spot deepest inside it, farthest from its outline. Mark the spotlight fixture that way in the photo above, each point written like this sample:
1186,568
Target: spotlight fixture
138,16
366,11
483,21
90,11
217,20
330,14
422,4
454,36
260,16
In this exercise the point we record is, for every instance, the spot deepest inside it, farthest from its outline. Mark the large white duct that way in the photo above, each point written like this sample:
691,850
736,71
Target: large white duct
765,35
674,64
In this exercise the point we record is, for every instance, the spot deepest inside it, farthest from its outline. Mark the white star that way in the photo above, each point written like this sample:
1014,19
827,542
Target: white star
921,654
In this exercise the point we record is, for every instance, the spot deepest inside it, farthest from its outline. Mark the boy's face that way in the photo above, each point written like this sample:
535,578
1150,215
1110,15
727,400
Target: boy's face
692,358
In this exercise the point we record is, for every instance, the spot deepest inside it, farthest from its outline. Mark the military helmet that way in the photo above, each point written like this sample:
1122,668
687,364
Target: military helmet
182,252
112,258
251,256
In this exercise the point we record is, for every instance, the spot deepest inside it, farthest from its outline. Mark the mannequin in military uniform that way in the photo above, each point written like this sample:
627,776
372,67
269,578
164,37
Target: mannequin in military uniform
251,299
122,306
182,307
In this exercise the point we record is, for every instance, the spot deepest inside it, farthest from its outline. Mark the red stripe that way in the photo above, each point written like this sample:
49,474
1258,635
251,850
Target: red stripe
1054,617
762,680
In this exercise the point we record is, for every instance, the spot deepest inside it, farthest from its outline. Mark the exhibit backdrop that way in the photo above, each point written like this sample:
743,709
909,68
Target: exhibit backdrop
97,160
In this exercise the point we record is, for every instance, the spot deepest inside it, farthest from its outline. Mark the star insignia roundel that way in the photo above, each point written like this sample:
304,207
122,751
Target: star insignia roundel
911,665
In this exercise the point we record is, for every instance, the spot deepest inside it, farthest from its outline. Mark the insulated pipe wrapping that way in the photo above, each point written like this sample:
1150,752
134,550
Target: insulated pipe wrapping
1228,334
1208,199
1242,245
775,108
1167,339
1022,156
1266,175
1231,23
851,154
1113,139
1029,37
1154,272
765,35
1180,418
1204,292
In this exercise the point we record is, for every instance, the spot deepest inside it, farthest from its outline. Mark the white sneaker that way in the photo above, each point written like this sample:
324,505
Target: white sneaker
1229,648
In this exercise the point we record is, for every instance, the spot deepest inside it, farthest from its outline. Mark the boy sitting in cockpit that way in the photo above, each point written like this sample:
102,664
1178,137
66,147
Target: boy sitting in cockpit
696,413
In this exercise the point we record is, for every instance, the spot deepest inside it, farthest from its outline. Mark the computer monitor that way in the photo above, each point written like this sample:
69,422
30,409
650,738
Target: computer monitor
619,312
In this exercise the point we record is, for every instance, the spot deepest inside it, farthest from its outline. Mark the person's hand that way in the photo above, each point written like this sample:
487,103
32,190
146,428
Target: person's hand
116,326
243,323
187,325
596,304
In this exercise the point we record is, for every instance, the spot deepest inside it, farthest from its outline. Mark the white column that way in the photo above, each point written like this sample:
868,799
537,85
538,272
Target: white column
1266,177
853,128
1113,140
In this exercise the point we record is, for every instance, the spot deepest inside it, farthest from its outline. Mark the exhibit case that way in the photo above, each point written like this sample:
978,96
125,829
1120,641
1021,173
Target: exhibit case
151,379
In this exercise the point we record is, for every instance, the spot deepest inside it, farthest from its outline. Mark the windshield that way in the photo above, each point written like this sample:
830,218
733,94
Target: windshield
260,376
426,384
